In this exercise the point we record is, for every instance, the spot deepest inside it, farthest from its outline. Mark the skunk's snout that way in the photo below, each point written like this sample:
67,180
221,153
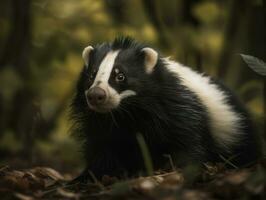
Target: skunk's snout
96,96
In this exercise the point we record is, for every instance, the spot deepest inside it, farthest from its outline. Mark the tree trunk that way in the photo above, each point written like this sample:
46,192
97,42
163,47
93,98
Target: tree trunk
169,22
16,54
230,36
17,48
244,34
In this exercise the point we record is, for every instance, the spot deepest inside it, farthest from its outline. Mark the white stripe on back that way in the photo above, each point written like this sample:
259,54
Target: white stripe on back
224,122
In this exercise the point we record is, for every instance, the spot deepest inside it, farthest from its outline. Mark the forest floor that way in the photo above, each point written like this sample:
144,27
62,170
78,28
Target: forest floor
212,182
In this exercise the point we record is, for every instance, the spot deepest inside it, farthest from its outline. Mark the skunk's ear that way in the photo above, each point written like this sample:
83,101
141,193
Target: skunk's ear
151,58
86,55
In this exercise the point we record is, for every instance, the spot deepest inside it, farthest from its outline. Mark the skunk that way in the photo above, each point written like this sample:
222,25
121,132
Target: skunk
126,88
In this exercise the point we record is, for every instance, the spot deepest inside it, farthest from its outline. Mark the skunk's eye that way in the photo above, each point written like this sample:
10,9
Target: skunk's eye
91,77
120,77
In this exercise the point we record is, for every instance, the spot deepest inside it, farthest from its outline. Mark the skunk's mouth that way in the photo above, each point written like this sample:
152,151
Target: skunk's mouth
100,108
103,100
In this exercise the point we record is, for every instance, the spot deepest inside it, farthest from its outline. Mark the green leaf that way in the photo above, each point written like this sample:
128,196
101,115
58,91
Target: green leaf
146,154
254,63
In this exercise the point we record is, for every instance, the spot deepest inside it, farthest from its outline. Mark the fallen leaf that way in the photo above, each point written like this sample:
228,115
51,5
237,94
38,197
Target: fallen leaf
67,194
23,196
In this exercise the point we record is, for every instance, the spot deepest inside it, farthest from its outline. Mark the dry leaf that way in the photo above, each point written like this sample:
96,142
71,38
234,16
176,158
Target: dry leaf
67,194
23,196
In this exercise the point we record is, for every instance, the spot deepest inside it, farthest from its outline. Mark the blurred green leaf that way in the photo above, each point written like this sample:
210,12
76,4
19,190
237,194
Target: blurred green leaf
254,63
146,154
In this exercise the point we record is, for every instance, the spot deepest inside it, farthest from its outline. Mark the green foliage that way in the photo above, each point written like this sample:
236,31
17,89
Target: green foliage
256,64
10,143
10,82
145,153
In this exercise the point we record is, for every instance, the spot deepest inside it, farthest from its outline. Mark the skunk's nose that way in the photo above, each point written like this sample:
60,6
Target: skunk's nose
96,96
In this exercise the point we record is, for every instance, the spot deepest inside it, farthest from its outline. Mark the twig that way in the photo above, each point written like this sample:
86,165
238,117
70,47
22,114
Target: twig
228,161
171,161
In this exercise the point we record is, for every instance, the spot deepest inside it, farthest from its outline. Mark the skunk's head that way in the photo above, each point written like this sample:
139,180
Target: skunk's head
115,72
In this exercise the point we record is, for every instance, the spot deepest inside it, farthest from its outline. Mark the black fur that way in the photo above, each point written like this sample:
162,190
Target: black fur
171,118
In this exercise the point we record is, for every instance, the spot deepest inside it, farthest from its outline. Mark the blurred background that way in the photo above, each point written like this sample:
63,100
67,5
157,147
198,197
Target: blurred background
40,58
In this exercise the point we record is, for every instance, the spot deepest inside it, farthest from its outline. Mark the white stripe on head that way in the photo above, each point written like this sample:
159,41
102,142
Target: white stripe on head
101,80
105,68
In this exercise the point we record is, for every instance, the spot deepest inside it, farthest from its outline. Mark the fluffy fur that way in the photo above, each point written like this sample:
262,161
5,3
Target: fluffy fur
181,113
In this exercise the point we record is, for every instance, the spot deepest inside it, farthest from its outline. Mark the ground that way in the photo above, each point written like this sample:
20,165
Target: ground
211,182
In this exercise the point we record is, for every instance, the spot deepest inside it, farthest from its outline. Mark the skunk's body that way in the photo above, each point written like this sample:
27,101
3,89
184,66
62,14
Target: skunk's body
127,88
